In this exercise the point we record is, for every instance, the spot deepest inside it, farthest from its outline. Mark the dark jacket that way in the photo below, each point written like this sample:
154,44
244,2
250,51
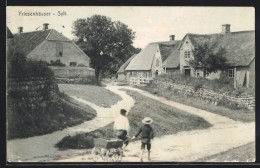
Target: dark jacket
147,132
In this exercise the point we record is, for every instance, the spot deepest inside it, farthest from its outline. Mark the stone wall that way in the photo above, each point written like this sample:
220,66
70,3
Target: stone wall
31,93
207,95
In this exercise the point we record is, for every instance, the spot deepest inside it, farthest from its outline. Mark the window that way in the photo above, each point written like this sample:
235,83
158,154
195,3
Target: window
73,63
150,74
140,74
186,54
145,74
134,74
59,49
231,73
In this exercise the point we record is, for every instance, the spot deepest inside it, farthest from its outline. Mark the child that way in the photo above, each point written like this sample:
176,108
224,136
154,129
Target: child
147,135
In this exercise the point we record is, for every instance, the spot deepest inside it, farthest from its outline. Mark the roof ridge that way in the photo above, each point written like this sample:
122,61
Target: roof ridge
33,31
243,31
158,42
48,35
157,47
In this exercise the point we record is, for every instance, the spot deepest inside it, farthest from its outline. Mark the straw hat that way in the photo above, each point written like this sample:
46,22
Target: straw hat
147,120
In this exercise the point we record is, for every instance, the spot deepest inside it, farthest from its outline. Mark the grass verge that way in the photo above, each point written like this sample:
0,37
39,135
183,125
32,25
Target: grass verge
243,115
244,153
57,116
167,120
95,94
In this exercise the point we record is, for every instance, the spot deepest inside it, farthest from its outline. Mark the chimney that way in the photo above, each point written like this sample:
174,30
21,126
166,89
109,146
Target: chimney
20,30
172,37
45,26
225,28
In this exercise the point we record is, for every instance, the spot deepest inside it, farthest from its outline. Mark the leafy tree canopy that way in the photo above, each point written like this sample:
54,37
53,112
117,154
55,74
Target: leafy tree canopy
108,43
208,59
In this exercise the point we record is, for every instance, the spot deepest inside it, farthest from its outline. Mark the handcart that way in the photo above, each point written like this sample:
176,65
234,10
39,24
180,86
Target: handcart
108,150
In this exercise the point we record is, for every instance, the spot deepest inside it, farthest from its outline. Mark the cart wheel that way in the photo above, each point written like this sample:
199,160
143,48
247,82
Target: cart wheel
119,154
103,154
114,157
95,153
109,155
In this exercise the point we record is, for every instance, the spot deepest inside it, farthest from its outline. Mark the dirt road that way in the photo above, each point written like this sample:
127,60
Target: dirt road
41,148
181,147
189,145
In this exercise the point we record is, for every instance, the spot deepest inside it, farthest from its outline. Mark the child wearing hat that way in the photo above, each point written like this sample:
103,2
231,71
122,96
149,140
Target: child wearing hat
146,137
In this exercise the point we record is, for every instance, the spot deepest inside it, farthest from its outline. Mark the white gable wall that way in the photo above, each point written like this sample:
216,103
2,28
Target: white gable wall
186,46
46,51
157,64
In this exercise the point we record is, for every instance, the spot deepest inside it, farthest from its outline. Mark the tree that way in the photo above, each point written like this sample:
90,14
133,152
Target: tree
107,43
208,59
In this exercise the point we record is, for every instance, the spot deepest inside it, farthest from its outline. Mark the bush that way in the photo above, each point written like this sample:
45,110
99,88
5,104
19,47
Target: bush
19,67
198,84
26,122
86,140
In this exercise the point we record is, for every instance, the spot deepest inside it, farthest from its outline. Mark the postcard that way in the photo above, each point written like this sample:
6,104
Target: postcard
130,84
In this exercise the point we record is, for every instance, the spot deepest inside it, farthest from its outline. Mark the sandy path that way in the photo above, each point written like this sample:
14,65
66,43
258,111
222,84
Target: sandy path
189,145
41,148
180,147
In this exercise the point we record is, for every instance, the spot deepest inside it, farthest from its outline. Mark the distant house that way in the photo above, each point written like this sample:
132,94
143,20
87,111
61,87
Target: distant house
149,62
172,63
239,51
54,48
121,73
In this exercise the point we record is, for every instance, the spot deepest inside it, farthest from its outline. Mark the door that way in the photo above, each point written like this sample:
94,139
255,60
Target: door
156,73
187,72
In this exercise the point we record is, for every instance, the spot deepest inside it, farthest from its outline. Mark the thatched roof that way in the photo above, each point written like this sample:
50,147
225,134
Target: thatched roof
122,68
239,46
9,33
26,42
144,59
173,59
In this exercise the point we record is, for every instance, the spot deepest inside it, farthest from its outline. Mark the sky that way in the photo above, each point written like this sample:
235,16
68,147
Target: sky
151,24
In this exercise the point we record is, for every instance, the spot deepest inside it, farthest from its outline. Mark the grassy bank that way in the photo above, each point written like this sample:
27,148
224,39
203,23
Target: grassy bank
167,120
95,94
237,115
57,116
223,85
244,153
